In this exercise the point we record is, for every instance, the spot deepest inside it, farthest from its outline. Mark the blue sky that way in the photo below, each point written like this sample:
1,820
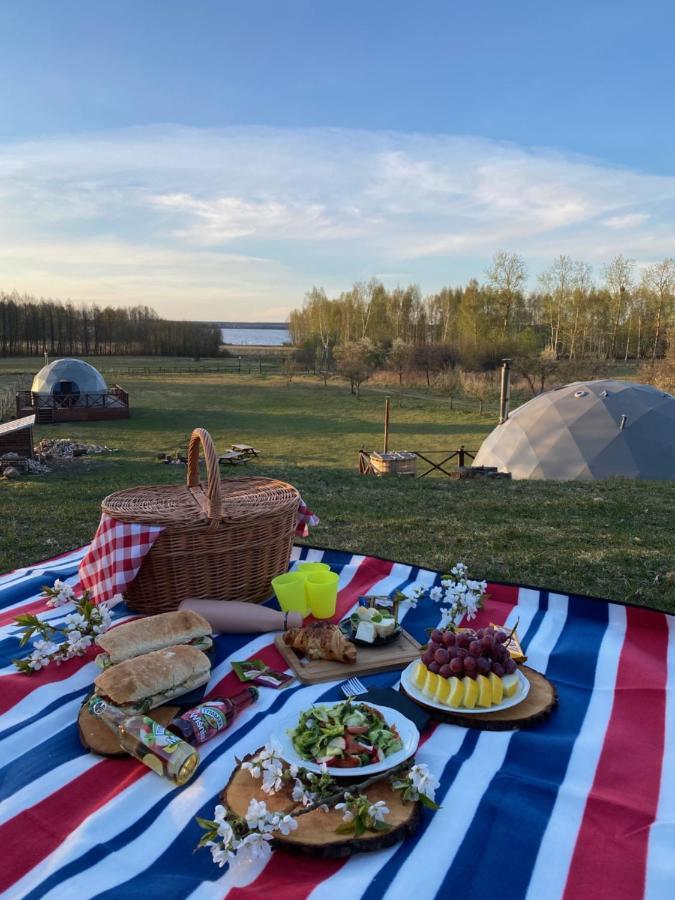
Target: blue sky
217,159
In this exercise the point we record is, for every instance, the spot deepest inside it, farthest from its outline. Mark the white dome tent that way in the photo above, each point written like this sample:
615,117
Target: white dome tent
70,390
587,430
73,377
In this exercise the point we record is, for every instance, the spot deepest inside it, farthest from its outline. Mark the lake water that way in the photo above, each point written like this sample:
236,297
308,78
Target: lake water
270,337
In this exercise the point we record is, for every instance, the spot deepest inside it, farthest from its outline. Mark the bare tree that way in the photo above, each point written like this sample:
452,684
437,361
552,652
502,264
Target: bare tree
659,283
506,276
619,280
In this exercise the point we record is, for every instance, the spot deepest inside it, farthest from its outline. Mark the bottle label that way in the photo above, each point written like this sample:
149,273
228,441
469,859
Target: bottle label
156,737
207,720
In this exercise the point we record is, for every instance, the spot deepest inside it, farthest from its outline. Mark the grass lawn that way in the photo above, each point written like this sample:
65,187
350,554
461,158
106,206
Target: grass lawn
610,539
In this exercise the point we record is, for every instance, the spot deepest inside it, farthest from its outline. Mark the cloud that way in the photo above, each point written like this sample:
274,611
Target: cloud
630,220
241,222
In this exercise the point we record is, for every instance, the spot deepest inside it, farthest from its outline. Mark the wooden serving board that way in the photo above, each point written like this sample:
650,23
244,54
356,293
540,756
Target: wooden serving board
540,702
315,834
368,660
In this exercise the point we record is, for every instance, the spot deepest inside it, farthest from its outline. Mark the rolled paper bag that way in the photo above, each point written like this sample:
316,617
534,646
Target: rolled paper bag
322,590
290,592
311,568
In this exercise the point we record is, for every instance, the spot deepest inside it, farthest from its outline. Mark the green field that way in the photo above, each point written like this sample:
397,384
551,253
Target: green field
611,539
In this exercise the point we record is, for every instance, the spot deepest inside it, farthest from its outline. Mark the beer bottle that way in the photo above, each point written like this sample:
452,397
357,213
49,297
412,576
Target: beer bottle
211,716
148,741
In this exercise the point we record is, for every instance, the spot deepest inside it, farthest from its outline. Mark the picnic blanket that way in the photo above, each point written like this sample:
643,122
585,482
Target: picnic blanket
582,806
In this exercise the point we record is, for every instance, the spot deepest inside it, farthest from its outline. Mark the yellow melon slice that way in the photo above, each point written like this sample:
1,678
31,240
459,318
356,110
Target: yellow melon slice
497,686
484,691
419,675
470,692
442,690
511,684
456,693
429,689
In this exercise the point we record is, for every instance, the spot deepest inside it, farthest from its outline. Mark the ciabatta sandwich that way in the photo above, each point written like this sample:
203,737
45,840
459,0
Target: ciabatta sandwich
153,633
144,682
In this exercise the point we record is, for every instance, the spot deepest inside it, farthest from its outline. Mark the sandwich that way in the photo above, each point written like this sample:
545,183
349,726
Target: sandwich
142,683
153,633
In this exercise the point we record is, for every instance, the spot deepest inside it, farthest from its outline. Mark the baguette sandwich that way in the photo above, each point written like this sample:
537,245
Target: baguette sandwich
144,682
153,633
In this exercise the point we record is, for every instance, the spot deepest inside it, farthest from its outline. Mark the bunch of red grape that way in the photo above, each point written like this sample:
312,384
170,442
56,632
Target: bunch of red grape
469,653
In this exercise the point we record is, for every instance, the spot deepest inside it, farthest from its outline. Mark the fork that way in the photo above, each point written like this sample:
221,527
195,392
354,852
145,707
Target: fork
353,687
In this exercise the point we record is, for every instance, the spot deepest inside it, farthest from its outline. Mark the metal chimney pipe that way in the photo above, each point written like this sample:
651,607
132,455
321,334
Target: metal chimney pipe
505,395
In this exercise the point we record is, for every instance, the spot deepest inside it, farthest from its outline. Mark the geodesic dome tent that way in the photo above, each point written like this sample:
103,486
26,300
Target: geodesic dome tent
70,390
69,376
587,430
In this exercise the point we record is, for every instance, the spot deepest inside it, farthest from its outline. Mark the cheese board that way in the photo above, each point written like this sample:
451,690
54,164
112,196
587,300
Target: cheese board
317,834
369,660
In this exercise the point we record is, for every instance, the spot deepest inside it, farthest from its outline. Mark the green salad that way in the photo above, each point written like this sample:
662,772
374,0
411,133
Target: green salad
345,736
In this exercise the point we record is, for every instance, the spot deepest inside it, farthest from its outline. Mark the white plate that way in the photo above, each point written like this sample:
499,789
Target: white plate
407,732
416,694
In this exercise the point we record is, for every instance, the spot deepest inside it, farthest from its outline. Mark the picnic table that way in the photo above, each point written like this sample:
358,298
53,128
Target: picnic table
581,806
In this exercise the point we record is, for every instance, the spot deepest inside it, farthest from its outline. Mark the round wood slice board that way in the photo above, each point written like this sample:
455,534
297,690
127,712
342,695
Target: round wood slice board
97,737
540,702
315,834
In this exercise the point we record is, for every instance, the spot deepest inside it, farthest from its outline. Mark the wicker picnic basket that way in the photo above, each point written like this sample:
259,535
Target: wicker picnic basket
223,540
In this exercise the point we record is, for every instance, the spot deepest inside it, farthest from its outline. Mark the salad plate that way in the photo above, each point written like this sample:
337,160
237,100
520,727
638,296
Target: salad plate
312,734
416,694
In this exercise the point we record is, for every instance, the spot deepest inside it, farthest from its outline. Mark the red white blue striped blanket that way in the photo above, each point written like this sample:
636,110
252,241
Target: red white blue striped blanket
581,807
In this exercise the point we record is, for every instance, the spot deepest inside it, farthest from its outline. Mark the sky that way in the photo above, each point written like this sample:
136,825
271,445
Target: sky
217,159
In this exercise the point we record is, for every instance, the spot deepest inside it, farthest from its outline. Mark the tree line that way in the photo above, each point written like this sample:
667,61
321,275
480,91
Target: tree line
569,316
30,327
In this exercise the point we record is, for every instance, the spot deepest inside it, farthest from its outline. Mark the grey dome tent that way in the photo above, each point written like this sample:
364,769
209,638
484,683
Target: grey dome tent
69,376
587,430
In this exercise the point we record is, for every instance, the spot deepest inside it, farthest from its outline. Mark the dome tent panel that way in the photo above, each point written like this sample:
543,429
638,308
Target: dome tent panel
69,376
595,429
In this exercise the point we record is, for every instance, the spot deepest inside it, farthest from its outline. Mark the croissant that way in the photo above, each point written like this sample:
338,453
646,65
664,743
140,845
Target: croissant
321,640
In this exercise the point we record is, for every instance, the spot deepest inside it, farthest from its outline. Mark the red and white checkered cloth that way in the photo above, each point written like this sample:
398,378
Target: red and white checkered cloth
115,556
305,517
118,549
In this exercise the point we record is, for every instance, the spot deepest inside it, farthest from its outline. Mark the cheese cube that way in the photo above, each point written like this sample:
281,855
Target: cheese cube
386,626
366,632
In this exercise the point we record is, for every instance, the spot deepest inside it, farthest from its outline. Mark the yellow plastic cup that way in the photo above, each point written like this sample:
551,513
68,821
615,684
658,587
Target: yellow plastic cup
290,592
312,568
322,590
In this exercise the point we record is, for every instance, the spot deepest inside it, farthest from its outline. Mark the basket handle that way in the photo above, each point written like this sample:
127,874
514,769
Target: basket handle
201,436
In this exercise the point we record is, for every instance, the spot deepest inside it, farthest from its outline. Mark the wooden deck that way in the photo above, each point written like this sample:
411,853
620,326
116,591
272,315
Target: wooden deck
49,408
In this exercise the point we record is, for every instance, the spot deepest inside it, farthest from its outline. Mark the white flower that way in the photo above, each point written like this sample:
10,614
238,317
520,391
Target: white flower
300,795
253,847
253,768
324,768
423,781
271,750
287,824
347,816
272,776
436,594
64,594
220,854
224,828
257,814
378,811
78,642
293,769
75,620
